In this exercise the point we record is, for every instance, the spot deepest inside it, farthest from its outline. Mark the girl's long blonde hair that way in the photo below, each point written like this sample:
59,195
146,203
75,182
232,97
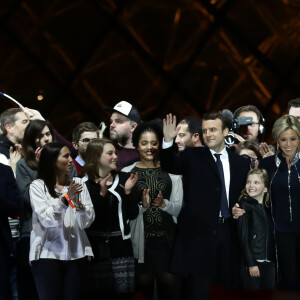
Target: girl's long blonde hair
262,173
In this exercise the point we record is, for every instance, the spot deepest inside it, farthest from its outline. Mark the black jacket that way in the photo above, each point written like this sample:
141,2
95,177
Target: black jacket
123,207
11,205
256,232
5,144
195,245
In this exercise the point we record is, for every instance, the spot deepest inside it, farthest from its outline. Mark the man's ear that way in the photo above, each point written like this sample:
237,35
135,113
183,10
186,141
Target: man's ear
8,128
75,145
226,131
133,126
195,137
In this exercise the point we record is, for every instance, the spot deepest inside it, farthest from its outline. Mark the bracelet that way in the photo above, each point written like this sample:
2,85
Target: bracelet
64,201
66,196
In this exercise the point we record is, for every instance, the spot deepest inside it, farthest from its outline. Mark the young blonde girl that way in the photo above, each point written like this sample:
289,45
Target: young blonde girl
256,233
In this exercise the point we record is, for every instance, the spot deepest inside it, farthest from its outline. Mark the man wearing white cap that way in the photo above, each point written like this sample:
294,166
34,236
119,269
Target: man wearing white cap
124,119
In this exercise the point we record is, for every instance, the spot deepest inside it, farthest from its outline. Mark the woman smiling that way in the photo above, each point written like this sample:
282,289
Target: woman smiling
62,209
111,273
284,172
160,197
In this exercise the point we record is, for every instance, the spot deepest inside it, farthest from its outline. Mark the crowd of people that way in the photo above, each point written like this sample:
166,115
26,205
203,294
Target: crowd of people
148,210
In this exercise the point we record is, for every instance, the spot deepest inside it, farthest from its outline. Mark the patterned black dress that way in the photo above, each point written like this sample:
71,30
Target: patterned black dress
159,226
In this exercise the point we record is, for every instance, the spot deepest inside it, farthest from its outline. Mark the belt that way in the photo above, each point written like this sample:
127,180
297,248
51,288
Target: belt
104,234
222,220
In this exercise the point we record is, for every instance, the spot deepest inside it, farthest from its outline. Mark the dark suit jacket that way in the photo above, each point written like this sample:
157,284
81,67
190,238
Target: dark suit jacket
10,206
196,237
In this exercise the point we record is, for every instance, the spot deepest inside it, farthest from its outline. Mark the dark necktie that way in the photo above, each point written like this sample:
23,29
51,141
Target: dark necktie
224,205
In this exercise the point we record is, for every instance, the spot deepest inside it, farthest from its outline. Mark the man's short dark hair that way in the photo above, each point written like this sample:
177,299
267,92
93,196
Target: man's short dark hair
217,115
293,103
8,117
194,124
81,128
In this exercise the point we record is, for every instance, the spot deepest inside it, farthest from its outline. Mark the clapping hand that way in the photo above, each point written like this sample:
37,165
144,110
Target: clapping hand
103,185
146,198
159,201
73,191
130,183
14,157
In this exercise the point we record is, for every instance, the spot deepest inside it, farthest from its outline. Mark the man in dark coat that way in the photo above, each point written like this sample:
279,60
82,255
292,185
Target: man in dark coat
10,206
206,246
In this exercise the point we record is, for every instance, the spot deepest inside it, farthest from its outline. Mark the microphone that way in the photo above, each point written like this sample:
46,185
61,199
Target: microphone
228,114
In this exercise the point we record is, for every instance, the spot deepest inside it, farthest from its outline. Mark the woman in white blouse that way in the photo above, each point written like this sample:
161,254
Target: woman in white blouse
62,209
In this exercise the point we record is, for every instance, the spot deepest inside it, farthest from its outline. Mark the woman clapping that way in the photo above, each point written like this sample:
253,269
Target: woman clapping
62,209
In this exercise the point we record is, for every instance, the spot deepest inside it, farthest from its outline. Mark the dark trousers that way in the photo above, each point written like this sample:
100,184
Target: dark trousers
26,285
266,279
288,250
196,287
57,280
4,277
222,263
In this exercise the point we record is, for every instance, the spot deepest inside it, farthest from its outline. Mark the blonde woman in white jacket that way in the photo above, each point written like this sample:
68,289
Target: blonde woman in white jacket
160,197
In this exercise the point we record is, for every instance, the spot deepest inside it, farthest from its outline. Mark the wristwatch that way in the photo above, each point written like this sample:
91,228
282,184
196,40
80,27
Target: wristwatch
80,206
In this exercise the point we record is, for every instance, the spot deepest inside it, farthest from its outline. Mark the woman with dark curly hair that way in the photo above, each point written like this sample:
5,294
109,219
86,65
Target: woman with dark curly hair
160,197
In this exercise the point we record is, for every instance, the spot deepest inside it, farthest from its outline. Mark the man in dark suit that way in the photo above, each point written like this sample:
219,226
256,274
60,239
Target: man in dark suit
10,206
206,248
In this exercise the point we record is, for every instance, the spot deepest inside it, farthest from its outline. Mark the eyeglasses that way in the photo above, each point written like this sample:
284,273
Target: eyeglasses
86,140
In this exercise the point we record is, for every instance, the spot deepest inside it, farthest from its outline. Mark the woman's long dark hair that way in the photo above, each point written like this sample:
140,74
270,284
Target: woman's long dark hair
33,132
47,166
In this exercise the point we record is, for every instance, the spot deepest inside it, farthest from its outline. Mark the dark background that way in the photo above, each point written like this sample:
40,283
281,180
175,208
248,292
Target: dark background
185,57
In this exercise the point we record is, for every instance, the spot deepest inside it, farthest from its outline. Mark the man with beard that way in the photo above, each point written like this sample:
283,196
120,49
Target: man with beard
254,131
189,133
123,121
82,135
